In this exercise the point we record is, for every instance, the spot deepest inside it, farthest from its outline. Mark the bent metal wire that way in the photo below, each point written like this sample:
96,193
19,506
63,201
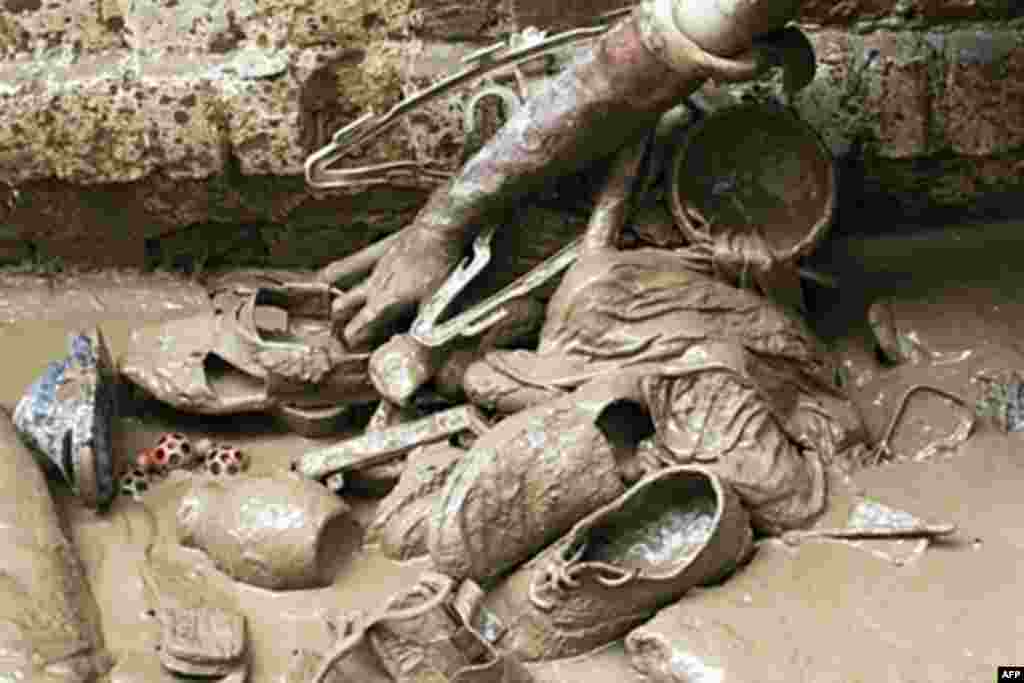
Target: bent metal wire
369,126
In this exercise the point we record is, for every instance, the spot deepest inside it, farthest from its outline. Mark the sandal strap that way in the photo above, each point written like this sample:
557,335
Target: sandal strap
292,365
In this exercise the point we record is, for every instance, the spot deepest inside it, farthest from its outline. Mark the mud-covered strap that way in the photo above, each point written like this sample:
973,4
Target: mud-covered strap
569,372
287,365
747,260
467,600
87,476
355,635
437,589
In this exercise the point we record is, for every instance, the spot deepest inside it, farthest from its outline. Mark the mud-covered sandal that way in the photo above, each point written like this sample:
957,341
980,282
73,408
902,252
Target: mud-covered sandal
202,641
227,361
679,528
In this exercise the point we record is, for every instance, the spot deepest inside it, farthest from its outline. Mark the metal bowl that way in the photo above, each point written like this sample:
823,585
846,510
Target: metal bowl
754,167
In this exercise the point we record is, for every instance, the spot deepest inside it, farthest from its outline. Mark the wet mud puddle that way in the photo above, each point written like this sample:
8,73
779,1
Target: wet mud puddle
132,557
970,327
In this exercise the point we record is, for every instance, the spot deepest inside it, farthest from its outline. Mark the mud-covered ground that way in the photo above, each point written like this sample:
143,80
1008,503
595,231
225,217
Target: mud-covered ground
819,611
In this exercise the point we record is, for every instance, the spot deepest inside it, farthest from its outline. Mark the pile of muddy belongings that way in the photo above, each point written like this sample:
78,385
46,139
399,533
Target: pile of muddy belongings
570,461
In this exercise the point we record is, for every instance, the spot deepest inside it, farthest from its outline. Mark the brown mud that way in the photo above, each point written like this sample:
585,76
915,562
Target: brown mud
820,609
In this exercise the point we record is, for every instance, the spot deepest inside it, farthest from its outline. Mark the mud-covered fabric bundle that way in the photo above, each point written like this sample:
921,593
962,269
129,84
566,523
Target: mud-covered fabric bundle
731,379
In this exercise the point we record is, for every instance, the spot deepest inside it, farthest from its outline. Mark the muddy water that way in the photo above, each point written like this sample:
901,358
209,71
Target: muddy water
969,314
958,297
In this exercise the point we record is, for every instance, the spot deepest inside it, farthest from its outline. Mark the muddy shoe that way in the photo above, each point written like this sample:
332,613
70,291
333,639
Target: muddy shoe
524,483
424,637
351,660
672,531
202,641
305,664
67,416
421,635
272,350
400,527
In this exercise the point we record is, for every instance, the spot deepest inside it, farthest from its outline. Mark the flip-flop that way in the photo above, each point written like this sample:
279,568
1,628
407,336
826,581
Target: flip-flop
225,362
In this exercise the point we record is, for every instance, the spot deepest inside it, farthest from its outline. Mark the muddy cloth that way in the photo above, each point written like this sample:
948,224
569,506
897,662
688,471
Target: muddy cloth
734,381
49,621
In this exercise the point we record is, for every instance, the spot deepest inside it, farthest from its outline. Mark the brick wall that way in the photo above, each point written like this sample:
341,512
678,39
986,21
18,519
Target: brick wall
167,131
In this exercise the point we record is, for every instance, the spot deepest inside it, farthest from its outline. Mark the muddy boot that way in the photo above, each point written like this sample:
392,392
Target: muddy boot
677,529
400,526
522,485
67,416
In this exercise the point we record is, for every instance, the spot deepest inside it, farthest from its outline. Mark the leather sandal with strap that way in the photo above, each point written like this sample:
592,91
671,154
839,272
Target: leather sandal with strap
227,361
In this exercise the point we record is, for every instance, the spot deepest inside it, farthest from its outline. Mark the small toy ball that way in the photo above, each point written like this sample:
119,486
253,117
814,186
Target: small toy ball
144,460
134,483
149,465
173,451
204,447
226,460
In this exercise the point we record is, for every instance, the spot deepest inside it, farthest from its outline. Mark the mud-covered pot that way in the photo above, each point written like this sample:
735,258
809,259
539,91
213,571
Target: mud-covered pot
265,531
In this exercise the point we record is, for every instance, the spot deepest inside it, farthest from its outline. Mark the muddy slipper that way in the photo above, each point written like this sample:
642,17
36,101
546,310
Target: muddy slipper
67,416
270,351
679,528
422,635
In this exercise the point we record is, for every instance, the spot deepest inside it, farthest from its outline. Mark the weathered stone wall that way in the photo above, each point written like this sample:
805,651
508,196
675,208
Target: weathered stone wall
173,132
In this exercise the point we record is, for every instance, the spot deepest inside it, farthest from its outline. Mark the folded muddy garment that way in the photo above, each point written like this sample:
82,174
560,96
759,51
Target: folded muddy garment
49,620
729,378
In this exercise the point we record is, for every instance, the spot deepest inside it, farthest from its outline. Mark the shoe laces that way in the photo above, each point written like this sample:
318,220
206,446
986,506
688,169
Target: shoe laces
562,575
352,627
